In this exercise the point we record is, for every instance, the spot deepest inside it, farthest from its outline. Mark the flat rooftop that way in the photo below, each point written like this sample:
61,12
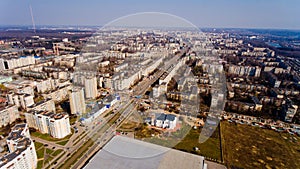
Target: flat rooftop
123,153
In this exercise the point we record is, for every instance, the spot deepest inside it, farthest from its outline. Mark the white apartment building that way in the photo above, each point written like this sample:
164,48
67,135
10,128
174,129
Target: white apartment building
90,86
58,94
20,100
172,72
8,114
245,70
57,125
11,63
77,101
44,105
165,121
44,85
22,150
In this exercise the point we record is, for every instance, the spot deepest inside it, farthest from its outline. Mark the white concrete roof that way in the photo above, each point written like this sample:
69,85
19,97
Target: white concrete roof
127,153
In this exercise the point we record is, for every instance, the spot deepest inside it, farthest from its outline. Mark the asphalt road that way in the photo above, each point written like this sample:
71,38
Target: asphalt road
125,109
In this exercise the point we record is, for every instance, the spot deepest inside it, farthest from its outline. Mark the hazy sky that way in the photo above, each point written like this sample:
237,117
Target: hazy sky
203,13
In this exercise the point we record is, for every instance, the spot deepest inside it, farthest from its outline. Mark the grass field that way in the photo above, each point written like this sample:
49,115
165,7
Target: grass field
114,118
252,147
72,120
243,146
48,137
62,142
210,148
45,155
38,145
185,139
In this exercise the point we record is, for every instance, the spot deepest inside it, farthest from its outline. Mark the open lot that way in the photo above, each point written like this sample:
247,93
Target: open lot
210,148
243,146
253,147
186,139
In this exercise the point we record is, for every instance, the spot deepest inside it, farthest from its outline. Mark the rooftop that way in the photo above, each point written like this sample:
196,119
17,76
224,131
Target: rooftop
123,153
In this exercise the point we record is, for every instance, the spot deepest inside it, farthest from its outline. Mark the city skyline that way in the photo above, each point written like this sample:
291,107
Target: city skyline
206,84
217,14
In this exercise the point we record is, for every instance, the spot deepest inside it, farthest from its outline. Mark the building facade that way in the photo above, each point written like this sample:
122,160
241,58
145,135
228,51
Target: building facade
77,101
90,86
22,151
57,125
8,115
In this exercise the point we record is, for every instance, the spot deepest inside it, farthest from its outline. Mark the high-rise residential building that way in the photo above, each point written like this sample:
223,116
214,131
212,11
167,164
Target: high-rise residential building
244,70
43,86
57,125
22,151
59,94
107,83
14,62
20,100
44,105
77,101
90,86
8,115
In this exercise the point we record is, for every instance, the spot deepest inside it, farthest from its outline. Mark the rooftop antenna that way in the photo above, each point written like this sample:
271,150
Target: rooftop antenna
32,19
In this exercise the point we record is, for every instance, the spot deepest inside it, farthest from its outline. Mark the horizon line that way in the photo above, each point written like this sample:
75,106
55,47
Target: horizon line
100,26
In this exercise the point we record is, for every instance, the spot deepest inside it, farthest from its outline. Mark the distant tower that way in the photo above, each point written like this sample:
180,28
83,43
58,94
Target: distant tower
77,102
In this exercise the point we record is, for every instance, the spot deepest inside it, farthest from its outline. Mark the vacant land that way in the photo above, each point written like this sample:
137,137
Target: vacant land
252,147
210,148
185,139
243,146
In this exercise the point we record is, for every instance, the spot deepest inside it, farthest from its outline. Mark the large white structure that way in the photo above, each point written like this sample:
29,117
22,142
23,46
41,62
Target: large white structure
244,70
90,87
8,115
20,100
77,102
124,152
44,105
127,74
59,94
57,125
46,85
22,151
172,72
11,63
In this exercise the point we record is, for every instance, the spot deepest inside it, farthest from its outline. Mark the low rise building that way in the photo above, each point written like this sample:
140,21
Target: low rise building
165,121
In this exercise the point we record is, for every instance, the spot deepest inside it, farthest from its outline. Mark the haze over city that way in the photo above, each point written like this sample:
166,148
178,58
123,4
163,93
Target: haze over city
277,14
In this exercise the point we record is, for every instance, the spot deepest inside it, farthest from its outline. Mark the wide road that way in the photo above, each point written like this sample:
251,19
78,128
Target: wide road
101,134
